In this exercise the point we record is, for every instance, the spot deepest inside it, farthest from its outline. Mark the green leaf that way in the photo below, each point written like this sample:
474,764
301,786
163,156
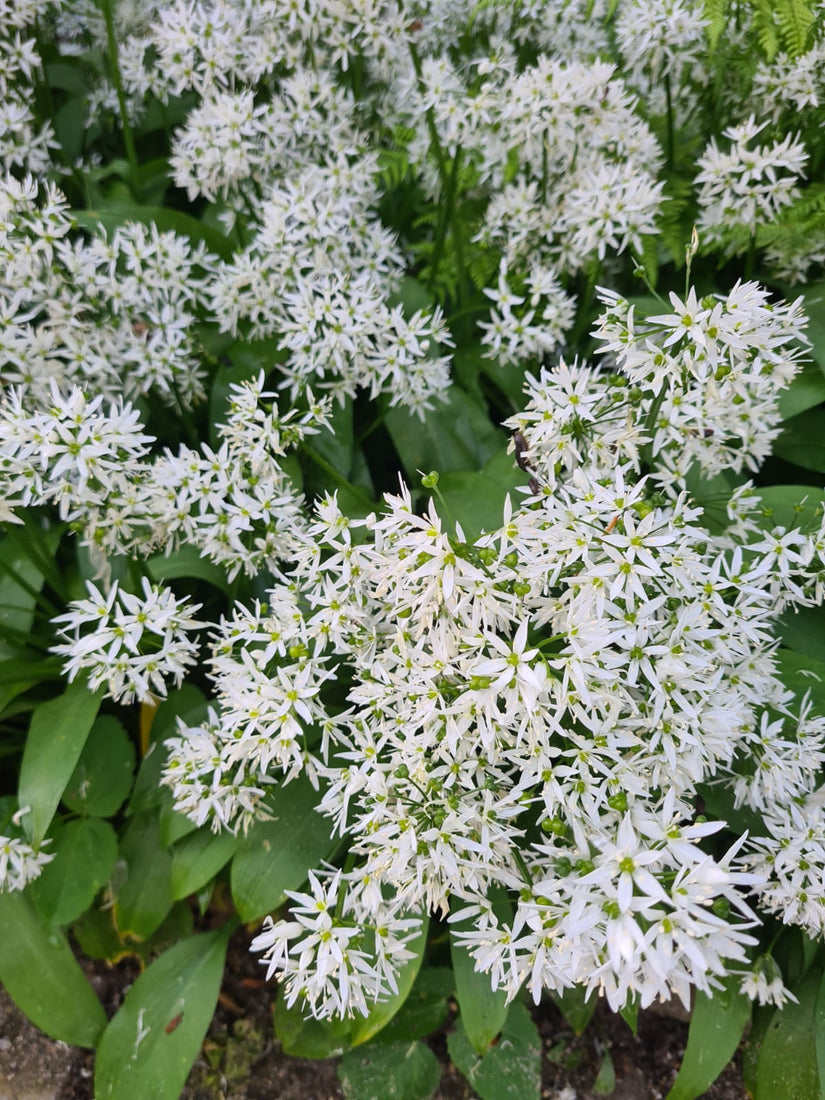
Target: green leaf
412,295
806,391
84,855
716,1026
456,435
391,1071
365,1027
42,976
20,582
309,1038
186,561
752,1047
819,1030
483,1009
813,300
149,1047
171,221
605,1081
187,703
98,937
630,1015
509,378
802,674
197,858
143,885
803,441
787,1068
803,631
275,856
56,738
792,506
336,443
425,1009
103,775
510,1070
173,825
577,1011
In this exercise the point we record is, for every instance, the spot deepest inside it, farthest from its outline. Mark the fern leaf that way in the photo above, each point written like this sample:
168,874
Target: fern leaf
795,20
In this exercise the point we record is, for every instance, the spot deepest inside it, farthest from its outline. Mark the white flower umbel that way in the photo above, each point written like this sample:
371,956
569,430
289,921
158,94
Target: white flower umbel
20,863
333,955
132,644
747,186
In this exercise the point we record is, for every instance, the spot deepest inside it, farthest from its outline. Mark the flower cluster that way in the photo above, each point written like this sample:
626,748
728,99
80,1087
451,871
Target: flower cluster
131,643
236,505
113,316
24,142
538,709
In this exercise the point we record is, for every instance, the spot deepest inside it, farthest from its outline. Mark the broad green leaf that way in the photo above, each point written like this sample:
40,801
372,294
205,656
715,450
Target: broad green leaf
9,692
752,1047
173,825
425,1009
187,703
42,976
605,1081
716,1026
70,126
20,580
186,561
803,631
456,435
803,674
98,937
508,378
365,1027
510,1070
803,441
197,858
805,391
412,295
483,1009
819,1030
307,1037
174,221
84,855
630,1015
56,738
813,298
390,1071
336,443
473,500
787,1068
103,775
792,506
275,855
576,1007
143,883
149,1046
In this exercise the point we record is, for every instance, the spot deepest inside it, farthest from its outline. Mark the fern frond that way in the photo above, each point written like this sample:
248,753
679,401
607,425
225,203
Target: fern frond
795,20
767,34
716,14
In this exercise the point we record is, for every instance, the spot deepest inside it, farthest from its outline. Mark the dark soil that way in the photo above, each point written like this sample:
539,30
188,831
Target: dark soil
242,1060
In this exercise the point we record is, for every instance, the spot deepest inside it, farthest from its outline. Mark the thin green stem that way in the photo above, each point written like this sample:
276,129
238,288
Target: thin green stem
328,468
448,177
670,127
522,866
114,62
584,307
750,258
